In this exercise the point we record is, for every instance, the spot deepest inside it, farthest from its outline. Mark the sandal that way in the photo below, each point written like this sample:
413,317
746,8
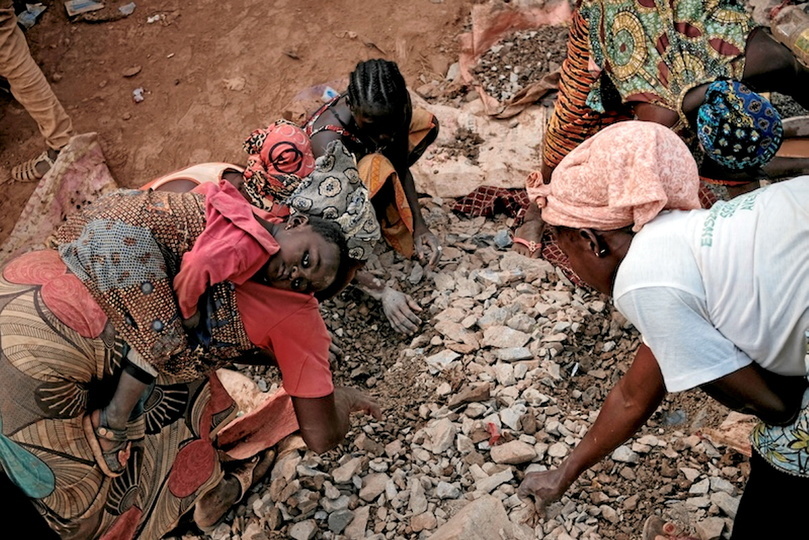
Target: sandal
112,462
27,172
656,529
530,244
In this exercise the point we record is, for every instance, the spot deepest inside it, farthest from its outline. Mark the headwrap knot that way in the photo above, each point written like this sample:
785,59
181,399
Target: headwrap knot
624,175
278,157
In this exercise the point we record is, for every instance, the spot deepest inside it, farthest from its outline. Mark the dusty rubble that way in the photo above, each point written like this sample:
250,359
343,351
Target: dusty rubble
510,369
520,59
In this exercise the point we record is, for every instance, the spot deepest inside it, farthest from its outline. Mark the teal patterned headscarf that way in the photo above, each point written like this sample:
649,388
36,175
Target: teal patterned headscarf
738,128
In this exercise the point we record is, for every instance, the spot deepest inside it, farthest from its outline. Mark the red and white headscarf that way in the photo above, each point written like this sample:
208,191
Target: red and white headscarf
279,157
624,175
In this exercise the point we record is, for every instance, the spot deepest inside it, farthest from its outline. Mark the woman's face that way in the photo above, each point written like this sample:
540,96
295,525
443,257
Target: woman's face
589,256
306,262
376,128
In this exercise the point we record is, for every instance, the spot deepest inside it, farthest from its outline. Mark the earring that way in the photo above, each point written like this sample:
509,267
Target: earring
601,252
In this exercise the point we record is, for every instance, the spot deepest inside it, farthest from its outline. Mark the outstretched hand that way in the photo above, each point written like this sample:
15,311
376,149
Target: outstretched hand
427,244
541,489
358,401
400,309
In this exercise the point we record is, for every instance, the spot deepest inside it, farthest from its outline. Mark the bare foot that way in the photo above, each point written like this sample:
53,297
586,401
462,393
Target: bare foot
212,506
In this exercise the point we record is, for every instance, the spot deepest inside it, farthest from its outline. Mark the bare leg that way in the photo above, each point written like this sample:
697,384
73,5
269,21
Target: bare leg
772,67
106,431
533,227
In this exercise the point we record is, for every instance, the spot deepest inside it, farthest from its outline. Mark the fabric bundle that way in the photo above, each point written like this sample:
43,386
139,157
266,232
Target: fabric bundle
335,191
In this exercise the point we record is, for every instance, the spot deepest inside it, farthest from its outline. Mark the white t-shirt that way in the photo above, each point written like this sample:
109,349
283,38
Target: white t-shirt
713,290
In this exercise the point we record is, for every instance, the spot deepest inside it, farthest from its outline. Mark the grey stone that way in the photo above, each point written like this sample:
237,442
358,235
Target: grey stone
491,482
303,530
442,359
729,505
624,454
503,337
339,520
445,490
513,354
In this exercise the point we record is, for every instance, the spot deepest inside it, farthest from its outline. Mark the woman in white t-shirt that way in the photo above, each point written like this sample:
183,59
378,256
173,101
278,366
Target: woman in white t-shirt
720,297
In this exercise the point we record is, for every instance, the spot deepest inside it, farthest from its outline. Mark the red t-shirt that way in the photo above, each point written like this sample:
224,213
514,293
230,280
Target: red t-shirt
233,246
289,324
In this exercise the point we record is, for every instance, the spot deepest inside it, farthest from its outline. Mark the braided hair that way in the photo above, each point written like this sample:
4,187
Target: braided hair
377,89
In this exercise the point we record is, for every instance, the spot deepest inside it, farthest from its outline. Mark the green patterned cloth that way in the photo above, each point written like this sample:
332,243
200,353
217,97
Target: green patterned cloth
654,51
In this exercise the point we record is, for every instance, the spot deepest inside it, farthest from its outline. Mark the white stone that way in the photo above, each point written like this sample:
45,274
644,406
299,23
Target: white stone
513,453
483,519
303,530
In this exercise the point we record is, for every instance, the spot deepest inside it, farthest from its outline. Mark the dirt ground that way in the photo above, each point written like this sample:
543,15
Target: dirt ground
212,71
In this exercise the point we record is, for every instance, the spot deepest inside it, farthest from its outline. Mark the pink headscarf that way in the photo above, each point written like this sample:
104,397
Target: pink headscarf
624,175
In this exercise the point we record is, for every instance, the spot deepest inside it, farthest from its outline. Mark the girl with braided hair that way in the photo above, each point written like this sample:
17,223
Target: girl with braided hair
374,118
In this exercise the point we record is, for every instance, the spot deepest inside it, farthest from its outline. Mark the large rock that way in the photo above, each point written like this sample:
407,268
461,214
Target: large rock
503,337
504,160
483,519
513,453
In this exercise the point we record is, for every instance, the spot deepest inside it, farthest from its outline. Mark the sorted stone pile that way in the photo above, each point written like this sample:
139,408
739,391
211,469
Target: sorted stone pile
508,372
519,60
465,143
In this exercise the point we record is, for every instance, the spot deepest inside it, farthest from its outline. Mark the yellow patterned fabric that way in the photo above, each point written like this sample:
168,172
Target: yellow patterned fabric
654,51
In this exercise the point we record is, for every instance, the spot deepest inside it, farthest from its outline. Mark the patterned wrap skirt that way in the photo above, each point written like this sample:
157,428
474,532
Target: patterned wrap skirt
655,51
785,447
59,358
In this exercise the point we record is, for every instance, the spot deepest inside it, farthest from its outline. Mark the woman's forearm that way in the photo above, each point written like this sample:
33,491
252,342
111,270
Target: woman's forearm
628,406
369,284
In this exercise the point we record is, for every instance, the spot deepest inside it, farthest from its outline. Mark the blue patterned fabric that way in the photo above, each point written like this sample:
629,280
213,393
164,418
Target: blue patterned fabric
738,128
785,447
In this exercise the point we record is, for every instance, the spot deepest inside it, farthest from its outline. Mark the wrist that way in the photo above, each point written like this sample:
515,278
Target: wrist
419,227
568,473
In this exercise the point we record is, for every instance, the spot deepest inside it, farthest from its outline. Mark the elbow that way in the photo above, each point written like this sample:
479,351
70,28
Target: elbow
322,443
781,416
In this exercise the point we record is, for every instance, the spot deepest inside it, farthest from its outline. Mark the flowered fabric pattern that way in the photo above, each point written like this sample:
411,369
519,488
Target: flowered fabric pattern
785,447
126,249
335,191
279,156
624,175
656,50
737,127
58,359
